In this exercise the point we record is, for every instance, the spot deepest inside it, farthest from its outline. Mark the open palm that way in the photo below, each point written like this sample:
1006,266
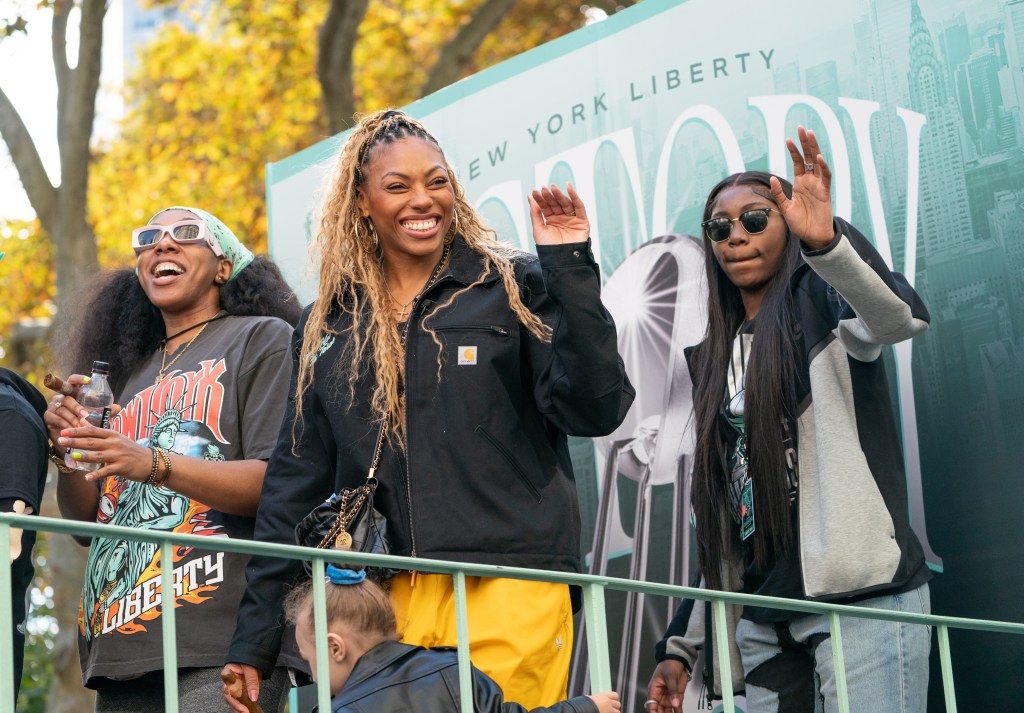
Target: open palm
809,212
558,217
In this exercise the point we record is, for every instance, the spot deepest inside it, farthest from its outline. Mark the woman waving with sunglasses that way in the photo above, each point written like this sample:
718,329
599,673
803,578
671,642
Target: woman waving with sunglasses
799,488
196,336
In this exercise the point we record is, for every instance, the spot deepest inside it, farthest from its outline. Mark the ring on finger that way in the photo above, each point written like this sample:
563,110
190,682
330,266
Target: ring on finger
809,167
650,702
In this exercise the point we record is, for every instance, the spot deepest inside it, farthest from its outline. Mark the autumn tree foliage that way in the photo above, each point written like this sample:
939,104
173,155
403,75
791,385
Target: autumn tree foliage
208,109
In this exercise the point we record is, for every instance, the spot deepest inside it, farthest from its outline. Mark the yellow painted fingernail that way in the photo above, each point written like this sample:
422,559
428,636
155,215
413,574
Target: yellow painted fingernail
76,455
87,380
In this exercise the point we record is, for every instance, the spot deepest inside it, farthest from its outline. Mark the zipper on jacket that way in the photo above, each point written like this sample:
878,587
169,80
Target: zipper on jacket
707,686
405,424
511,461
495,328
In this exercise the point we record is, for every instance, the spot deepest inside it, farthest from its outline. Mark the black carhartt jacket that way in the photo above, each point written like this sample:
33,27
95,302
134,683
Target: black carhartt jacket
487,476
398,677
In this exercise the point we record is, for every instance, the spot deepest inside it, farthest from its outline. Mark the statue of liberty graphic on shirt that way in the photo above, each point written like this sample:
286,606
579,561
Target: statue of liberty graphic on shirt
116,566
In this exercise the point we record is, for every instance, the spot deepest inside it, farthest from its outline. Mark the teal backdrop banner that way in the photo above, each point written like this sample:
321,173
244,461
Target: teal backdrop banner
917,104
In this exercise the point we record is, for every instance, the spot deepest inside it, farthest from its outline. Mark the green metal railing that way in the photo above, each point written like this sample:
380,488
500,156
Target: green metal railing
593,603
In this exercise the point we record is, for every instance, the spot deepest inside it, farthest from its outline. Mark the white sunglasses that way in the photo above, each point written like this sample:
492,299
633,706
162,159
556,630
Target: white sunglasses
184,232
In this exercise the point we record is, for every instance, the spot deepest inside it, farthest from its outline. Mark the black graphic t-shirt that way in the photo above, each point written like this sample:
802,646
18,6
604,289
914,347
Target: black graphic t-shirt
222,400
781,576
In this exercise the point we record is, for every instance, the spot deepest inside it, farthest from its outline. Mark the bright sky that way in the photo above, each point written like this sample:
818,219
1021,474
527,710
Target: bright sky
26,75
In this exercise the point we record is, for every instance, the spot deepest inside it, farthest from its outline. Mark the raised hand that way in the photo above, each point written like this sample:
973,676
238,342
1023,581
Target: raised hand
558,217
809,212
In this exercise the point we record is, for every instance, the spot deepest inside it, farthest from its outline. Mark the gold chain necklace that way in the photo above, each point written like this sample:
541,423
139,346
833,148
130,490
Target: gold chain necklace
433,277
401,307
163,355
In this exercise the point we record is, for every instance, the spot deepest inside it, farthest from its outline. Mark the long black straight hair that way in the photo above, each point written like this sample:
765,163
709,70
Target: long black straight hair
770,397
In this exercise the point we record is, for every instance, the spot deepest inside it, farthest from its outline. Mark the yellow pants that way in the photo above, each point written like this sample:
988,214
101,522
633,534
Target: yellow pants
520,633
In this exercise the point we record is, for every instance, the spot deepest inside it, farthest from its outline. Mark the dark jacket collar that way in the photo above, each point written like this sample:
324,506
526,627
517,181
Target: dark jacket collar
387,656
465,264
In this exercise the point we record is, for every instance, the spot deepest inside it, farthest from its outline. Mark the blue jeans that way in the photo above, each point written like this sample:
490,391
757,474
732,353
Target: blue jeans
788,665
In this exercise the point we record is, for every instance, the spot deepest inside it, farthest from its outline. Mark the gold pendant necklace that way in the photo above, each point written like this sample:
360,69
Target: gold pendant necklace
401,307
163,355
430,281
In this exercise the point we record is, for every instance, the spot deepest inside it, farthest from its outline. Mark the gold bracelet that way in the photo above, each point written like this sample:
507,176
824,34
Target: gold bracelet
57,460
151,480
165,458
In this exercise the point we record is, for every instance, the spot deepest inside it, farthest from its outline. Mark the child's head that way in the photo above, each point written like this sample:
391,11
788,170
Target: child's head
359,616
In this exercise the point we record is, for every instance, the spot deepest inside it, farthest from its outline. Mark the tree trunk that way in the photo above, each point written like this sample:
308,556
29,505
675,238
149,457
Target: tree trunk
461,48
62,213
334,63
65,572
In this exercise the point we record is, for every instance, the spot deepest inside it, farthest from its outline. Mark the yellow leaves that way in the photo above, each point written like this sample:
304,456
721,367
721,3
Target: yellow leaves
209,109
26,289
246,93
169,91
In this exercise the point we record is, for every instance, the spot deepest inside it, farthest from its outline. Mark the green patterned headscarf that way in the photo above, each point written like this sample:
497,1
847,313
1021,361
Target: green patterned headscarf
230,245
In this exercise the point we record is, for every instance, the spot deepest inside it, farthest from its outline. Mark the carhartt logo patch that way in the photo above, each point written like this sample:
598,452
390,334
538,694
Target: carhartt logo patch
467,356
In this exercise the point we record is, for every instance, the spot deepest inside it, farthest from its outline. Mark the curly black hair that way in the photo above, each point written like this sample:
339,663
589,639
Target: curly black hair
118,324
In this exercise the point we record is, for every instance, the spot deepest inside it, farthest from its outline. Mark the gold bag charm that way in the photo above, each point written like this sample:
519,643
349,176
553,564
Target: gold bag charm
343,541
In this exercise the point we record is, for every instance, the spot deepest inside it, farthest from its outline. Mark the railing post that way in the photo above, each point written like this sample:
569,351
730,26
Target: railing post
462,639
597,637
6,622
946,664
838,662
167,613
724,655
323,671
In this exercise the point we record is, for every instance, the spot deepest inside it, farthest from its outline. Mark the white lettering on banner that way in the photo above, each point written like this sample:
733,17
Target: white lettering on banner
146,595
774,109
722,131
556,121
509,194
581,160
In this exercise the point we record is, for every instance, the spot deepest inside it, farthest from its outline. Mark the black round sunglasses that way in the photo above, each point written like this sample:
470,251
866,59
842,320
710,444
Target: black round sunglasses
754,221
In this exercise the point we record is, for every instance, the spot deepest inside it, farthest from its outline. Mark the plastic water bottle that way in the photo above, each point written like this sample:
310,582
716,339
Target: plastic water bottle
96,398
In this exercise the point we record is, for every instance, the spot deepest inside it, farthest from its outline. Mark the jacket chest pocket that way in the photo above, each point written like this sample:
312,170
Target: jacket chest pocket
474,345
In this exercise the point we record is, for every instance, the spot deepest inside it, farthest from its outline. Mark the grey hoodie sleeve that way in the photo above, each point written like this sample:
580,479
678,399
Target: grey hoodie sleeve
880,306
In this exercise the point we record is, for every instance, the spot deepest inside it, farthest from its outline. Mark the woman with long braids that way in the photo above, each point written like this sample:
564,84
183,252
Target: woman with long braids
799,488
474,360
196,337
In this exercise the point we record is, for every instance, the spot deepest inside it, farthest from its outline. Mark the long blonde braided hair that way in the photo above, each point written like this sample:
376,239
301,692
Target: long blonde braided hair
352,275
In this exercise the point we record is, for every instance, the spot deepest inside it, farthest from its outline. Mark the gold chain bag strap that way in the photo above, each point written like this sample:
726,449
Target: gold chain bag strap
348,521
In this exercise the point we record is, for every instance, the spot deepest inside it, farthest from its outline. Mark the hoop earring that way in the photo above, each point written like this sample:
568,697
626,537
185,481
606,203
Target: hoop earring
372,243
454,228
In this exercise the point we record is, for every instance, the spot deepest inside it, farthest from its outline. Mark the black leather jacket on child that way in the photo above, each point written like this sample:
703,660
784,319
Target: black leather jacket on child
398,677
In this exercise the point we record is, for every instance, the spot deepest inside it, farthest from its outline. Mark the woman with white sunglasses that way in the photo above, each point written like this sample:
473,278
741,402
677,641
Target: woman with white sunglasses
197,339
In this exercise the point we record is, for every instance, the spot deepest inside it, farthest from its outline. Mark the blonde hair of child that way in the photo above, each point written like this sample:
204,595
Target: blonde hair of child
363,608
